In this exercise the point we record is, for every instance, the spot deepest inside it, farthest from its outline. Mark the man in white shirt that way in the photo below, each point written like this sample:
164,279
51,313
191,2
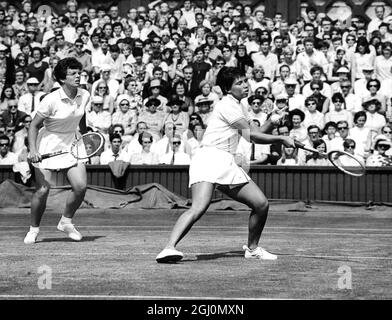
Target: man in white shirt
375,22
296,100
176,157
310,58
6,157
115,152
29,101
267,59
353,101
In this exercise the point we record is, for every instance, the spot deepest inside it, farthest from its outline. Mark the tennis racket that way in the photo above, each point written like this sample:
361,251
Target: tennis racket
344,161
88,145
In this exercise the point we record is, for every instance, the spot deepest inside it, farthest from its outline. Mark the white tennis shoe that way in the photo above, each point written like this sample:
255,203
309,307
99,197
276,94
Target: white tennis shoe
169,255
31,237
70,230
258,253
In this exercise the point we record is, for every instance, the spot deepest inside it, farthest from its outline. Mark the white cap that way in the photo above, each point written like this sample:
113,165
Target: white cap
342,70
3,47
32,81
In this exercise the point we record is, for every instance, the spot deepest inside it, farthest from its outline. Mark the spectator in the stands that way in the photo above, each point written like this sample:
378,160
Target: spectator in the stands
6,156
175,156
146,156
115,152
29,102
317,159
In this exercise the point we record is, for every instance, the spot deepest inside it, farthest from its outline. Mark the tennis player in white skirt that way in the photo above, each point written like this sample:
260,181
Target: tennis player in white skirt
54,128
214,165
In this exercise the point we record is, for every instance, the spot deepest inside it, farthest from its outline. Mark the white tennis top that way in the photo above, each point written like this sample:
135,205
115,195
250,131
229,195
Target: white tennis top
60,128
220,132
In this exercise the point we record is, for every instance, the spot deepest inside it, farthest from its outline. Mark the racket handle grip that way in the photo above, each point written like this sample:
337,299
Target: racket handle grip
299,144
51,154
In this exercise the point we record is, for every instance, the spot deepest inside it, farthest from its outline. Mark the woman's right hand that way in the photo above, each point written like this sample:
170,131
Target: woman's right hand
35,157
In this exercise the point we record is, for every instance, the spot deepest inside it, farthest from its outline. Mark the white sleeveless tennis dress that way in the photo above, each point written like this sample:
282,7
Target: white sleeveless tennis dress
60,128
214,161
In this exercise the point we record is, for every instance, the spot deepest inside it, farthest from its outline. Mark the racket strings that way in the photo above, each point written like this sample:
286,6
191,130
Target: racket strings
87,146
347,163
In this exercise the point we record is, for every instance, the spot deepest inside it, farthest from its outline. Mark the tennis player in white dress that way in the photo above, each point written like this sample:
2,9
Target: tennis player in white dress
56,125
213,165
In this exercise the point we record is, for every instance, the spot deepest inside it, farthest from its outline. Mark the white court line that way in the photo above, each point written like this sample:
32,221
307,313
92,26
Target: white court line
188,255
123,297
370,235
203,227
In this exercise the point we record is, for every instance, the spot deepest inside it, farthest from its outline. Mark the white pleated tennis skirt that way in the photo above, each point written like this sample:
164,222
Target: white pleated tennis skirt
210,164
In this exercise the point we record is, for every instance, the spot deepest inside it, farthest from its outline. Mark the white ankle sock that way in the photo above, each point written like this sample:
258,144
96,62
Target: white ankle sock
65,220
34,229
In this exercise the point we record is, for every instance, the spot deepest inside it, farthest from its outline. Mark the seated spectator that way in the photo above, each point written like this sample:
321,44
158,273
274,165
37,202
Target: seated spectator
289,157
361,134
258,79
322,101
7,93
176,157
98,118
6,156
126,116
204,107
20,85
296,100
374,85
102,90
146,156
206,92
194,143
134,146
132,89
115,152
187,103
379,158
255,102
38,67
337,113
312,115
20,135
276,148
13,115
28,102
176,115
298,131
374,120
155,93
316,159
349,146
96,159
153,118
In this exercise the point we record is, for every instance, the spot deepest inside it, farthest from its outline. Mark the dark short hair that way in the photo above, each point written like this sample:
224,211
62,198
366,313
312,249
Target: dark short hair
226,77
60,70
114,136
144,134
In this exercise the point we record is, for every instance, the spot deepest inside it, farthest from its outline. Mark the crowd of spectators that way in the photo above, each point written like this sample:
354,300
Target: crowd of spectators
151,74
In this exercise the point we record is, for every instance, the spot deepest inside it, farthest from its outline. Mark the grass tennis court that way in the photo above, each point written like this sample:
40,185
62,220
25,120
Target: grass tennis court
116,259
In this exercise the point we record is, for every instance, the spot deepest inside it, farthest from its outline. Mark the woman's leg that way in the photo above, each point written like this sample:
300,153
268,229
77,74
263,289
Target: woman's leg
201,197
44,179
77,178
251,195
